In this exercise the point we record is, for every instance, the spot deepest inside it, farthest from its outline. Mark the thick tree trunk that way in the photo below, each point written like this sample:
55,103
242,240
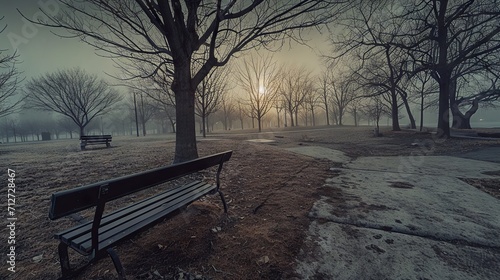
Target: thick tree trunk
327,113
225,121
422,112
340,117
290,112
413,124
444,107
82,133
459,120
313,117
335,118
185,137
204,126
395,112
462,121
173,125
444,73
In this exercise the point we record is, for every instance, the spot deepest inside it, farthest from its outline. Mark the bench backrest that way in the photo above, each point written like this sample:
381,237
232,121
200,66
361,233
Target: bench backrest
87,137
67,202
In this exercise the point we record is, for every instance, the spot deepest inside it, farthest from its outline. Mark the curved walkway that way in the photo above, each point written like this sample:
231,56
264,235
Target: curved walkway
402,218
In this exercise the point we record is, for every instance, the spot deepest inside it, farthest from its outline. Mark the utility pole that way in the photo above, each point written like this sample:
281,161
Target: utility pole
142,118
102,127
136,120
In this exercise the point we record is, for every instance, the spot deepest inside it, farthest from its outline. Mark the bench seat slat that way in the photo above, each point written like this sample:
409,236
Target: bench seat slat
142,223
117,225
79,230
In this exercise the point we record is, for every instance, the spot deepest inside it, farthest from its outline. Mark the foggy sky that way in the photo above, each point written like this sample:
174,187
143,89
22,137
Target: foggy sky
45,52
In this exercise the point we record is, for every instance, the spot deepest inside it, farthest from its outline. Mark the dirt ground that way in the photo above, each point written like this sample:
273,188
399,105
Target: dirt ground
270,192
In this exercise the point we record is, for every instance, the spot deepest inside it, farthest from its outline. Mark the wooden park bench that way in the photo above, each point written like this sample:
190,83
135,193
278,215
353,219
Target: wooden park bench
94,139
96,238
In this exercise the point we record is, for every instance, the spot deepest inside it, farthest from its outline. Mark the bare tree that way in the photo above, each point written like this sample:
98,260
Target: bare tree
9,82
209,94
34,122
422,85
451,39
448,35
375,109
355,108
12,125
296,84
343,93
471,90
241,112
279,105
72,93
228,107
324,92
146,109
157,88
191,37
121,118
373,36
5,129
67,125
311,102
260,78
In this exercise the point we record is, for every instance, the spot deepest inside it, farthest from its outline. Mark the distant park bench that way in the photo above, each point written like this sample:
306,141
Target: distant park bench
94,140
96,238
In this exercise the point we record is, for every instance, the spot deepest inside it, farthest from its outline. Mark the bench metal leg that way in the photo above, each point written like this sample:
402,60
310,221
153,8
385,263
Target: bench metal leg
67,271
64,260
223,200
117,263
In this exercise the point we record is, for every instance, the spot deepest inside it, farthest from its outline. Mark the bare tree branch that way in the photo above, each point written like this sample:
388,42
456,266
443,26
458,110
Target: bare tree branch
9,82
72,93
